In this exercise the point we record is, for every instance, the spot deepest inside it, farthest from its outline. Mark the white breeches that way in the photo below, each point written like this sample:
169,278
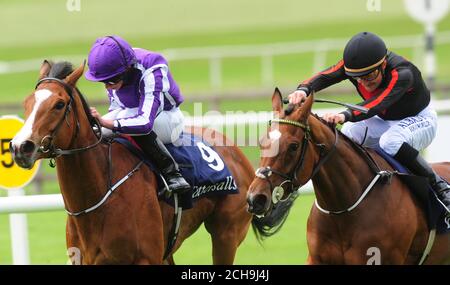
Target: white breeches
418,131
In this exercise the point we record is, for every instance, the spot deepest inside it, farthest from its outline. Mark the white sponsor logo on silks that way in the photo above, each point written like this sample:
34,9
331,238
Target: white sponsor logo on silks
226,185
447,222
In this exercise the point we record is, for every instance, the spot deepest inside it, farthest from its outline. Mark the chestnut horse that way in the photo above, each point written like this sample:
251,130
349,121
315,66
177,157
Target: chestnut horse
347,225
129,225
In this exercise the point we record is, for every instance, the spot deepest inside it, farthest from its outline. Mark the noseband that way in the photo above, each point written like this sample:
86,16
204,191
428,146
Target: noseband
291,178
47,146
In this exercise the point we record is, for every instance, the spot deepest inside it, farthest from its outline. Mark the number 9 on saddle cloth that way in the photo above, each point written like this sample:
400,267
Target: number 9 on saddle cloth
200,165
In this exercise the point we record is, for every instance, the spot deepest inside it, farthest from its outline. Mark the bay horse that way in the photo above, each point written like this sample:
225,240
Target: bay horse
129,225
347,224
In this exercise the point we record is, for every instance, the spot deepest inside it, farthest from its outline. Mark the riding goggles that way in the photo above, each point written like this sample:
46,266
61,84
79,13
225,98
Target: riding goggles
369,77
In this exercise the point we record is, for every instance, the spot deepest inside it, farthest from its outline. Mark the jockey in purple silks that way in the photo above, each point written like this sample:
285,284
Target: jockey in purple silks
144,101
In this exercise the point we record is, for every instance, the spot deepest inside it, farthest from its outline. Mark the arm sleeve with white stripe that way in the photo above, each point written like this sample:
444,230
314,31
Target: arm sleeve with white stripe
113,105
150,103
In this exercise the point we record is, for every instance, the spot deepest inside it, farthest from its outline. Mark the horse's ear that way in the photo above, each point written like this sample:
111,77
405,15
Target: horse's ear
72,78
277,104
306,107
45,69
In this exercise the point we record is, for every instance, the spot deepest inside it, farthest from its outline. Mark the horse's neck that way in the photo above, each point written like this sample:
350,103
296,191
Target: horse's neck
83,176
343,177
81,179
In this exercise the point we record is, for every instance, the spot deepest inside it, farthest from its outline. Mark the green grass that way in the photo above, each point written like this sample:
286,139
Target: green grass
178,20
47,241
46,232
286,247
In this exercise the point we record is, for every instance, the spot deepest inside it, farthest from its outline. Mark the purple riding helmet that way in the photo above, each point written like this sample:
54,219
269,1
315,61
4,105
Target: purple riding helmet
109,57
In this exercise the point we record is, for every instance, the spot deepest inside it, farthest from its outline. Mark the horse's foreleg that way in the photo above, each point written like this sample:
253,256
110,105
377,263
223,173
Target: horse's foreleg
224,249
226,241
227,235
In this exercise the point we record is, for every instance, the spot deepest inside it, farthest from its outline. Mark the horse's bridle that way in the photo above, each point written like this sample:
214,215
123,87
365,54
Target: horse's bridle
266,171
47,146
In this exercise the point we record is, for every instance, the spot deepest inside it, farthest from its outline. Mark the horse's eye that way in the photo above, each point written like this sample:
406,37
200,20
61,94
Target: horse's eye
60,105
293,146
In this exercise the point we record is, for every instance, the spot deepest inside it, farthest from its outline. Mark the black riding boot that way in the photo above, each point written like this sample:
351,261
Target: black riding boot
163,160
417,165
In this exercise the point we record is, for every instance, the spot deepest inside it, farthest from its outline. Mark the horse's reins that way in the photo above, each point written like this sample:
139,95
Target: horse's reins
267,171
47,145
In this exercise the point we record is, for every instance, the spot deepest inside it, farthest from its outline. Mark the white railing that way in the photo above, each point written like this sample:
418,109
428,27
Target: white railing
216,55
30,204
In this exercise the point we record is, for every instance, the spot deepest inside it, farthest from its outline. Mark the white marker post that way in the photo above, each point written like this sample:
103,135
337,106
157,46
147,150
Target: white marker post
18,228
428,12
13,178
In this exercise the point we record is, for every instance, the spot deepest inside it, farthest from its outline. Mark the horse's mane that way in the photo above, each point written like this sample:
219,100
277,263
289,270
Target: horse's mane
61,70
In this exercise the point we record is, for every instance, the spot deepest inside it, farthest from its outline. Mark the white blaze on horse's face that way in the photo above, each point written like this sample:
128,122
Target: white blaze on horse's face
25,133
275,135
271,146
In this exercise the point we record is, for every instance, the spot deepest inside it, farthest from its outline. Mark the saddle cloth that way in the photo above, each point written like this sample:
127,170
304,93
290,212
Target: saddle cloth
201,166
420,187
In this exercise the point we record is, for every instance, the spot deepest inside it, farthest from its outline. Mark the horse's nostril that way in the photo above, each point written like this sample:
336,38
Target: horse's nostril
260,200
257,204
27,147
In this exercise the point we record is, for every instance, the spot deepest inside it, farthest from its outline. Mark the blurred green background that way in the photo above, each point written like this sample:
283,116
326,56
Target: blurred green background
46,29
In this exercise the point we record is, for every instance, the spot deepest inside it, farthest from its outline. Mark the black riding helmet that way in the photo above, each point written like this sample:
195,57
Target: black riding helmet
364,53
